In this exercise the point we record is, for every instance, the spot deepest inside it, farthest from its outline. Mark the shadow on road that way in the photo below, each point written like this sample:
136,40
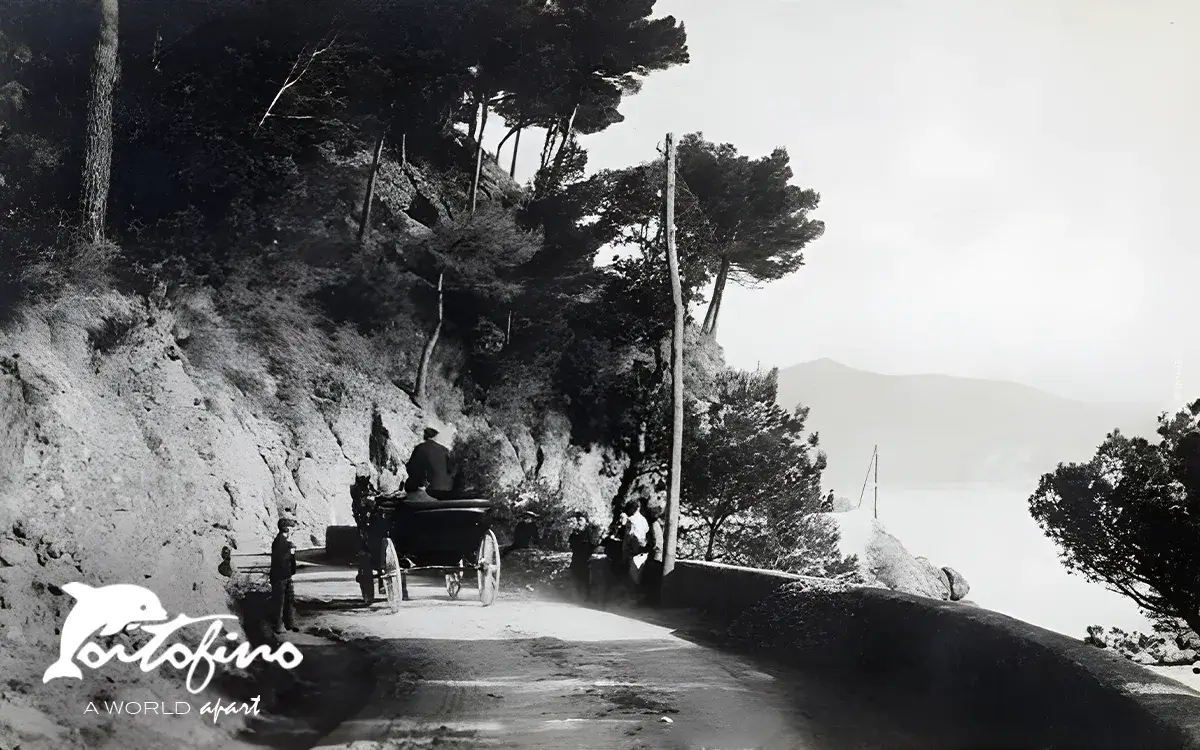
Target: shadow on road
962,708
330,685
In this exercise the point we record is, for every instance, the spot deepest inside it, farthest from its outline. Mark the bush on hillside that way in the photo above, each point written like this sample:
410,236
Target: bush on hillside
553,521
480,465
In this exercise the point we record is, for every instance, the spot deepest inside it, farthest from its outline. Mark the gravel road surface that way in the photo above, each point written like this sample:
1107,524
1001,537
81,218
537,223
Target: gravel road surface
528,673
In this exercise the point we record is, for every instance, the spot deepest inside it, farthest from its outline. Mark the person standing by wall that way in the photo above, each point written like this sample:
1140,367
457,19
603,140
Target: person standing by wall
283,567
636,537
614,552
653,573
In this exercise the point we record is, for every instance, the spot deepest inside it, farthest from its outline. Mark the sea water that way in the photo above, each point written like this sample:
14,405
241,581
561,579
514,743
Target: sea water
987,534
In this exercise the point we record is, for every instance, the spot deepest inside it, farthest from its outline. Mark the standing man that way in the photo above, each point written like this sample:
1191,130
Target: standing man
635,542
652,575
431,467
283,567
582,542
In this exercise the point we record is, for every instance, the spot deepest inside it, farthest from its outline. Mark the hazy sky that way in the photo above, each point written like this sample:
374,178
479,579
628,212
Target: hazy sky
1009,186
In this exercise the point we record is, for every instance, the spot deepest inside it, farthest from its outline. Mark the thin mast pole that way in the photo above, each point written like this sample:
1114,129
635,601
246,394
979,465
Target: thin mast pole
877,481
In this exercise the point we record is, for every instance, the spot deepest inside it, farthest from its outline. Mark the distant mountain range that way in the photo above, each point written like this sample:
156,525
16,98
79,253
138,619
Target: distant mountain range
937,429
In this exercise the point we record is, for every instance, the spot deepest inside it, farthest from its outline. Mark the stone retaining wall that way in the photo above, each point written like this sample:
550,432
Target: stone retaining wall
999,682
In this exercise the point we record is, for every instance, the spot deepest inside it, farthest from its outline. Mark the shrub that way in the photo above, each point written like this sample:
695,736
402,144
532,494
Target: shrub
554,520
479,459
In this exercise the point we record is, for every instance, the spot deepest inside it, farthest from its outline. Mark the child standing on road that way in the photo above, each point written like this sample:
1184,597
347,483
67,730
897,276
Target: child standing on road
283,567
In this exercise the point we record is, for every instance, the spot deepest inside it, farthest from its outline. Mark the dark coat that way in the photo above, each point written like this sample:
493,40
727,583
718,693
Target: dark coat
432,467
283,558
583,546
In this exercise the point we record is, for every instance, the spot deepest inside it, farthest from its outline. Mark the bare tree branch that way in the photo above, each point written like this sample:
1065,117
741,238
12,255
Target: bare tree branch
299,68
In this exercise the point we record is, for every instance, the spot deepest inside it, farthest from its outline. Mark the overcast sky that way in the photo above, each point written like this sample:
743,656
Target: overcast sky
1010,187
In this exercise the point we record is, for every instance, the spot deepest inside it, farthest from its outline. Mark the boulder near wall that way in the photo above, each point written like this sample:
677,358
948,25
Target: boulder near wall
883,559
139,440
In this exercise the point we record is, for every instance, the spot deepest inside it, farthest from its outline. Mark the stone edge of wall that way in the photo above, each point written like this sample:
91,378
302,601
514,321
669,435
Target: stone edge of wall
999,652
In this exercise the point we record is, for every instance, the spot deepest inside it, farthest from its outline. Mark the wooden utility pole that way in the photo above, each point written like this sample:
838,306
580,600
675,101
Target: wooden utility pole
672,530
877,481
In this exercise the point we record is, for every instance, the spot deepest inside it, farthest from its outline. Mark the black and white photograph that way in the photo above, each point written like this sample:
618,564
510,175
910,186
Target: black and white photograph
599,374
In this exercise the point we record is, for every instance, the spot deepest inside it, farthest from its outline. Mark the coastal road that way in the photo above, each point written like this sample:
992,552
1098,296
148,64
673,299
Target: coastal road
526,673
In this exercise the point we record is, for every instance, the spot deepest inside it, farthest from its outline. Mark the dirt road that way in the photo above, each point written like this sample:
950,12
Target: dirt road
540,674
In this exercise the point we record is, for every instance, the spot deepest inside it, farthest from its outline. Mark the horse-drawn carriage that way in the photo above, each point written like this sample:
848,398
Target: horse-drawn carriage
402,534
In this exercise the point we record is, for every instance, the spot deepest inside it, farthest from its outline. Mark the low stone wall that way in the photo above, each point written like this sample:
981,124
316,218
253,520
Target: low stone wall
723,590
999,682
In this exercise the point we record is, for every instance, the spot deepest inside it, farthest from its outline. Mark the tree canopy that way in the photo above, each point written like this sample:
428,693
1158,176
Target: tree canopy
1130,517
239,136
752,480
754,224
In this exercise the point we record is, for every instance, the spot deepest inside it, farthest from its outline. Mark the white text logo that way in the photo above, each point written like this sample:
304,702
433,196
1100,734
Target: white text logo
111,609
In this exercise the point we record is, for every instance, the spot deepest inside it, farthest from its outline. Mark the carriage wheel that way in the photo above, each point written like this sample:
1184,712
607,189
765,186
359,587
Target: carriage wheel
391,576
489,569
366,578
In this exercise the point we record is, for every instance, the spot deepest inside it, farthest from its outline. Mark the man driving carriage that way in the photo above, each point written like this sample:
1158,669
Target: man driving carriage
431,467
411,531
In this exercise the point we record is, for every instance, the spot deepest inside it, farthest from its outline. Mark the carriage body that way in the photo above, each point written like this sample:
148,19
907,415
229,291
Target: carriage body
440,533
420,533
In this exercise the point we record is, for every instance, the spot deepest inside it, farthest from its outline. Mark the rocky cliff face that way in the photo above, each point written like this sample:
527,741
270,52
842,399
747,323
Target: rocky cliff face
141,437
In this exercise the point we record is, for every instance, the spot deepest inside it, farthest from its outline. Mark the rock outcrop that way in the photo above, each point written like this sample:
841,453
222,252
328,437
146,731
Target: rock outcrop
959,588
884,561
1168,650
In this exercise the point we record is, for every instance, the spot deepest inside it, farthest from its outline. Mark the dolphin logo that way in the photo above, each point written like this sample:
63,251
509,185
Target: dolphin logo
109,609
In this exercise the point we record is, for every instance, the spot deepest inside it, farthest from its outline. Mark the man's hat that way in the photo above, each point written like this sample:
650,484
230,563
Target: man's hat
287,523
430,433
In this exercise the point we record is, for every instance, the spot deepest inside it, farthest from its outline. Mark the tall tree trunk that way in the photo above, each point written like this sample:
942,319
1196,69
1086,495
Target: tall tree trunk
430,345
714,305
511,132
508,330
478,157
512,171
97,160
566,143
365,225
712,541
473,128
673,484
404,149
551,132
716,311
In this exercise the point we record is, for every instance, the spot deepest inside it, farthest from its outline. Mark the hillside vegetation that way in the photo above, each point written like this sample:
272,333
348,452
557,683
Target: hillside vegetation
250,246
